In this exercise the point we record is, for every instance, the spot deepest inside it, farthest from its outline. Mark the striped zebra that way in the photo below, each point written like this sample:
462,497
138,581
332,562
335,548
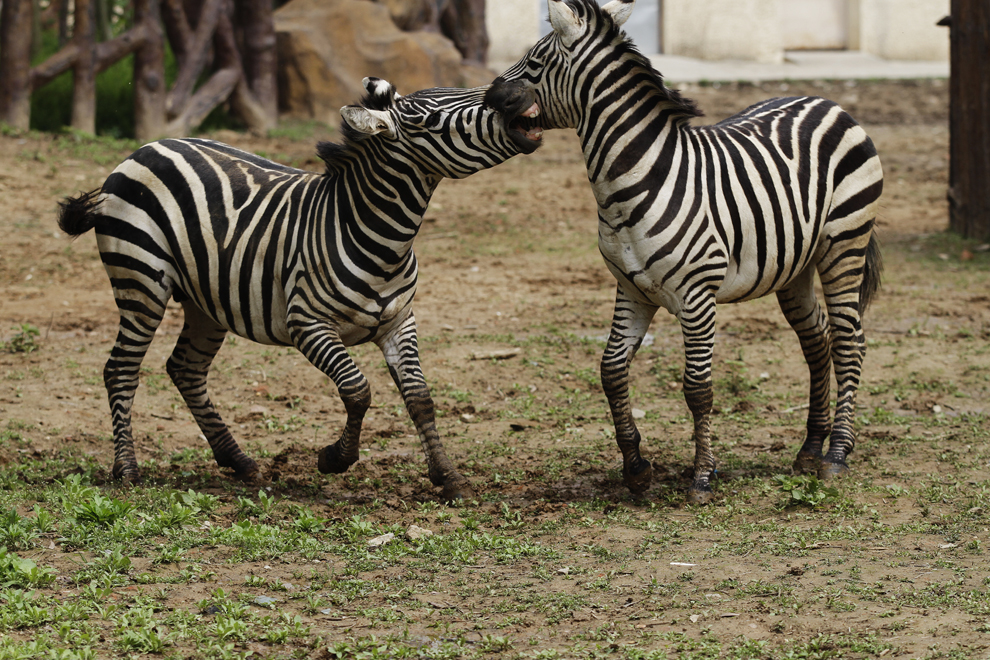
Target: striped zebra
319,261
689,217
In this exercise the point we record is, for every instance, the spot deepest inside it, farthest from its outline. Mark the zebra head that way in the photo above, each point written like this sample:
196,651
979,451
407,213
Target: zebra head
577,68
445,132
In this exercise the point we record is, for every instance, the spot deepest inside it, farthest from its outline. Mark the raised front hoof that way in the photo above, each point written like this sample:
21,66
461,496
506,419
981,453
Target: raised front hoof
331,462
830,470
700,495
807,463
127,475
639,482
457,490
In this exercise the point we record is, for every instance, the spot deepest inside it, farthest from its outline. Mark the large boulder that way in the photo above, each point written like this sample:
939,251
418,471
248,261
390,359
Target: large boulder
325,48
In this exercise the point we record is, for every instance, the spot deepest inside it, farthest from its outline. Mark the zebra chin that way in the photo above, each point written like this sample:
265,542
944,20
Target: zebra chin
516,102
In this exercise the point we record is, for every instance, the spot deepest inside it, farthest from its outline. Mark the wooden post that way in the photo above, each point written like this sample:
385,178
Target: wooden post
84,69
260,68
15,63
149,74
969,120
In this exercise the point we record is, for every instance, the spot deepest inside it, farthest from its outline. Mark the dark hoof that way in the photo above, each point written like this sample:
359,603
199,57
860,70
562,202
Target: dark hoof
457,490
807,463
639,482
700,496
829,470
127,475
243,465
330,461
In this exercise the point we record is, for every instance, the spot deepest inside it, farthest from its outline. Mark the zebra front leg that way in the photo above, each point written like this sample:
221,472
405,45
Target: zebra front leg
630,321
401,350
806,318
321,344
189,367
698,329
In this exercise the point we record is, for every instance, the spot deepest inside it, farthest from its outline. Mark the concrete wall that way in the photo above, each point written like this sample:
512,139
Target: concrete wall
723,29
741,29
903,29
513,27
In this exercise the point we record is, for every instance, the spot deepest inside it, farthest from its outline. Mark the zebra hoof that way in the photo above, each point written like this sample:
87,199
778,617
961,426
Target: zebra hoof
700,496
830,470
638,482
457,490
331,462
807,463
127,475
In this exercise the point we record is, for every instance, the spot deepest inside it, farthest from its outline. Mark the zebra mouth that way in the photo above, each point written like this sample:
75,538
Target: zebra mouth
525,129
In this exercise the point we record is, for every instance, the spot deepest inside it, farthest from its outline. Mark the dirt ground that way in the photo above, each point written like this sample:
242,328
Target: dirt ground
509,259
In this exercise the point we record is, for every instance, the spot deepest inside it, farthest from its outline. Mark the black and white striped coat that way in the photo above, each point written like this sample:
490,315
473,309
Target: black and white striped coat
694,216
282,256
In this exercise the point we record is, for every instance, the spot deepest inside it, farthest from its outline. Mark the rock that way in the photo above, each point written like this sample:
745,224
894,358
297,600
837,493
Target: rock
410,15
325,48
379,541
499,354
265,600
415,533
638,414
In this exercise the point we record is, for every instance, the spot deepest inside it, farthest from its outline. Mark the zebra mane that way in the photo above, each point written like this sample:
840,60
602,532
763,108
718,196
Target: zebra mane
624,45
333,153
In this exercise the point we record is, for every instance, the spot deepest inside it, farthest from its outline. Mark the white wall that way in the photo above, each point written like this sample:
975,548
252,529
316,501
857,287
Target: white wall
723,29
904,29
735,29
513,27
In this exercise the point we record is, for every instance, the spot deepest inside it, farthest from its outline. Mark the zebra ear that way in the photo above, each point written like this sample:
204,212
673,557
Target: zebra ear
380,88
619,10
369,122
565,22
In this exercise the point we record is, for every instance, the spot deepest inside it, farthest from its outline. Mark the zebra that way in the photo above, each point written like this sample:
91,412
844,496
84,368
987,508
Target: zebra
282,256
691,216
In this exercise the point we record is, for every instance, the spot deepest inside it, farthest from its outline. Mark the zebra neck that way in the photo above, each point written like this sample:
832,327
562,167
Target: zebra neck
625,142
386,205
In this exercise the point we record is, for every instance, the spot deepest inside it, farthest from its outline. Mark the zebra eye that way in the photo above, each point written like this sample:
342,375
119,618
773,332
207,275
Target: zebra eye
382,126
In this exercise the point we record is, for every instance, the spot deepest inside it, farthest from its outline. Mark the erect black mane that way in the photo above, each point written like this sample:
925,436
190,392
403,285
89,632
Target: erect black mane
333,153
623,44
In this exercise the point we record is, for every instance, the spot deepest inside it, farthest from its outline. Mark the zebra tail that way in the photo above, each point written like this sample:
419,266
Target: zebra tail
871,274
77,215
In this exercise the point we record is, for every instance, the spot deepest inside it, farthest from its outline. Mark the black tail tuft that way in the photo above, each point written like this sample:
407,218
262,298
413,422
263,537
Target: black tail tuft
871,274
77,215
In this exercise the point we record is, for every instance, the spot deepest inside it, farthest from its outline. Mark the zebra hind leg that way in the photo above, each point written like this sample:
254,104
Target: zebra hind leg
841,274
806,318
630,322
138,323
188,367
401,350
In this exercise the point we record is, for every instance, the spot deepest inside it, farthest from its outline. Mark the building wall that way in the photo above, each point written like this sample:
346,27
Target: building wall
513,27
723,29
741,29
904,29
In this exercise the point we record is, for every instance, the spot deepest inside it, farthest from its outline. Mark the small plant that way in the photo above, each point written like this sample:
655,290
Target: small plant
20,572
25,340
806,490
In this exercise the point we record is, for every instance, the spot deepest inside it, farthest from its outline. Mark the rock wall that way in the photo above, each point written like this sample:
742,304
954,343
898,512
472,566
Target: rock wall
325,48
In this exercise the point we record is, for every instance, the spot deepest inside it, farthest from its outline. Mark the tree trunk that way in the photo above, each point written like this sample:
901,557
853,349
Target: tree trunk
463,22
15,63
969,120
149,74
257,29
84,70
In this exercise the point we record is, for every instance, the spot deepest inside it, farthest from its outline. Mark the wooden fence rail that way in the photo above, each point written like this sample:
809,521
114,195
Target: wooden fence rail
232,40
